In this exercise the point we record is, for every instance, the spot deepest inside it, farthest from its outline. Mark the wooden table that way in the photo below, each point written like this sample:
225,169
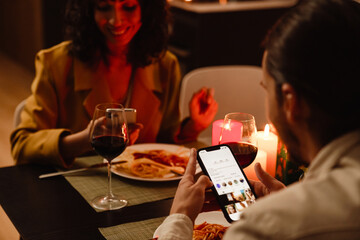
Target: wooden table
53,209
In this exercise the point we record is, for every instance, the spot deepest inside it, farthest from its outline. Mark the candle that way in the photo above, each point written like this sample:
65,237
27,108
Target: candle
216,131
250,170
232,132
267,141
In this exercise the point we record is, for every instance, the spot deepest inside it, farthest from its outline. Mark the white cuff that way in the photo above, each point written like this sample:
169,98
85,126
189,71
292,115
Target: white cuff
175,227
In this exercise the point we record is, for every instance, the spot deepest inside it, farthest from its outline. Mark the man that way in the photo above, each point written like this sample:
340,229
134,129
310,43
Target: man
311,71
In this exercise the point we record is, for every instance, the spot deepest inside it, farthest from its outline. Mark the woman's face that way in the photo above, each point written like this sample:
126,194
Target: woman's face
118,20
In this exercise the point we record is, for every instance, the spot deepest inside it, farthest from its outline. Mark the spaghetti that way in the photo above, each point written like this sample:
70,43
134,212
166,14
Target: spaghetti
208,231
153,163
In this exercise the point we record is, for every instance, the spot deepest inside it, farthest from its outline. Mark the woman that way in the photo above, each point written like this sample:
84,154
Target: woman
117,53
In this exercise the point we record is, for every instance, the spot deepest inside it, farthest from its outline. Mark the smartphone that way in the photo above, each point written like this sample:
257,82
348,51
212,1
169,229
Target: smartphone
230,185
130,114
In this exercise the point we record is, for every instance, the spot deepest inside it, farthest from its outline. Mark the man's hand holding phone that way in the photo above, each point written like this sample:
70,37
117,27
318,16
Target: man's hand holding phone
190,195
267,183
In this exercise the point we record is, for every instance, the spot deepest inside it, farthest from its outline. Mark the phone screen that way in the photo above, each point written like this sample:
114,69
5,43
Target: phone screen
233,191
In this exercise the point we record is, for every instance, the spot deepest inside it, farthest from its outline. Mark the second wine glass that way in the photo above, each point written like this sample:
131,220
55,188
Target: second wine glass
109,138
239,132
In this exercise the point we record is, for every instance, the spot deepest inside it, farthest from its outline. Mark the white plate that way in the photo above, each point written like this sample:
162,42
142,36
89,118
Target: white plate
213,217
175,149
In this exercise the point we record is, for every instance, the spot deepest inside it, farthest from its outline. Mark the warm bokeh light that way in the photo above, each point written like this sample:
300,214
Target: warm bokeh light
227,126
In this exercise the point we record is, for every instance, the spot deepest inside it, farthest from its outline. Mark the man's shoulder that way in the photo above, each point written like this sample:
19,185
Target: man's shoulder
305,209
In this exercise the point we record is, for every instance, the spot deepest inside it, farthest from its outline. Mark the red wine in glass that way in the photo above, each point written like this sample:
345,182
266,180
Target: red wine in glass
108,137
109,146
245,153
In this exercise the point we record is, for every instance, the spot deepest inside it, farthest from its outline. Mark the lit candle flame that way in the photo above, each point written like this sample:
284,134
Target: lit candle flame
227,126
267,130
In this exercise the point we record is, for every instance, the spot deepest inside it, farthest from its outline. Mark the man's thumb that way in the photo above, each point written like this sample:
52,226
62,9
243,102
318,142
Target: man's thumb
271,183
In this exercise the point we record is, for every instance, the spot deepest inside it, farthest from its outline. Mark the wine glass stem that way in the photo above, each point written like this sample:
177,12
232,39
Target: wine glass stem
110,194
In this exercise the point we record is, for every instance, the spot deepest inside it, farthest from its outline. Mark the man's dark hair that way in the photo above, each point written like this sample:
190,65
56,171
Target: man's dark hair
315,47
89,44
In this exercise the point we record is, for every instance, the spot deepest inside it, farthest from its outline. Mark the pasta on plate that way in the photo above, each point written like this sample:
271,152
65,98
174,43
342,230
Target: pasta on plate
156,163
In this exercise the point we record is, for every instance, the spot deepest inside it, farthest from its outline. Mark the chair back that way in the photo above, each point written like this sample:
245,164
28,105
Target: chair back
237,89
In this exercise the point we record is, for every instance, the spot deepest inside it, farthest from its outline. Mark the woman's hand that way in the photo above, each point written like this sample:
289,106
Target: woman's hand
190,195
134,131
75,145
203,108
267,183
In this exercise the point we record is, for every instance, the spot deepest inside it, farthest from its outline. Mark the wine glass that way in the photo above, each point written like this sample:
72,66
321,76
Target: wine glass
109,138
239,132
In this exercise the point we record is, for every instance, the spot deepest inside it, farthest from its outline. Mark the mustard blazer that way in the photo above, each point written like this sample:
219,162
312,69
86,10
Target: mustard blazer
65,92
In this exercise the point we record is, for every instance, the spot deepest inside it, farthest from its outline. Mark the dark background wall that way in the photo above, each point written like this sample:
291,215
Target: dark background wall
26,26
221,38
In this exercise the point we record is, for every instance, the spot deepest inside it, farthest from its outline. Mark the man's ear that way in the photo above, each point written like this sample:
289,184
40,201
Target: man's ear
292,105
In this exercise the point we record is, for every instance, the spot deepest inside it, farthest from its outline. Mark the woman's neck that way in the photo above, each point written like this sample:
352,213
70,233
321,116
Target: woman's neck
117,74
117,62
117,51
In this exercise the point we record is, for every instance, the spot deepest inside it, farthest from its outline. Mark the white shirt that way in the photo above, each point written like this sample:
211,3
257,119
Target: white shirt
324,205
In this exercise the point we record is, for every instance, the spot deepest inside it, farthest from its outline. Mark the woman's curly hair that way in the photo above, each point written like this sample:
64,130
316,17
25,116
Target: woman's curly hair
89,44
